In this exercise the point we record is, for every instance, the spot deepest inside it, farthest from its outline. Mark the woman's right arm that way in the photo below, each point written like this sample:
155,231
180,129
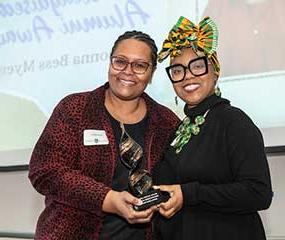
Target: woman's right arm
53,171
53,168
121,203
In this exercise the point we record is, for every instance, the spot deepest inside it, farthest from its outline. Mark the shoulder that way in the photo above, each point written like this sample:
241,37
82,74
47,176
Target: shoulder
237,122
75,103
165,112
235,116
75,98
161,113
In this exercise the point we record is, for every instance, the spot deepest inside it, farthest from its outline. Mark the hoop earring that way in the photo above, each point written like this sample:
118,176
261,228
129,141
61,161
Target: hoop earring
218,91
176,100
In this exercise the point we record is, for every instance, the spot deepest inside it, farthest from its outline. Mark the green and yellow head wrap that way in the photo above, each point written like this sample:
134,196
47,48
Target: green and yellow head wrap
201,38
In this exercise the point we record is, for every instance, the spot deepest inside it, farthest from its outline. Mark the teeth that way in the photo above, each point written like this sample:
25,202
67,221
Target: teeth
191,87
127,82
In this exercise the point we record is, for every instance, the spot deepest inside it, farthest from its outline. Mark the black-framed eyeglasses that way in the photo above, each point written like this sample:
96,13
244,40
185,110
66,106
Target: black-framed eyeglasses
120,64
197,67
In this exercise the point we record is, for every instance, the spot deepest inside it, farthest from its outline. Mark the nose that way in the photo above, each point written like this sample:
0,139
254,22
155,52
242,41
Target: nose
188,74
128,69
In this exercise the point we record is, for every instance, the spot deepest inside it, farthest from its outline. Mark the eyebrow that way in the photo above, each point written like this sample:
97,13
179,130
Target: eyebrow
136,59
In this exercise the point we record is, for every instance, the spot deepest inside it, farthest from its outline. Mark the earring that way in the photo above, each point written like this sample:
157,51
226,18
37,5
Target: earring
218,91
176,100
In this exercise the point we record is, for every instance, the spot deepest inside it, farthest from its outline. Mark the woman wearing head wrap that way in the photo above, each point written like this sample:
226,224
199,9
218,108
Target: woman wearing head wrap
215,167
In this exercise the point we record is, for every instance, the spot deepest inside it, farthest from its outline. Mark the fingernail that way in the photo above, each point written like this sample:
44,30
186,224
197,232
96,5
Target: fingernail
139,202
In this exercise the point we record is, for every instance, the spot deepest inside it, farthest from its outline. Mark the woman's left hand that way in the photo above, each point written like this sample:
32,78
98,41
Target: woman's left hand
175,202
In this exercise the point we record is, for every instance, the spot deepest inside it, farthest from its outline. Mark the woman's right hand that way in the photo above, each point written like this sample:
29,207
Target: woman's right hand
175,202
121,203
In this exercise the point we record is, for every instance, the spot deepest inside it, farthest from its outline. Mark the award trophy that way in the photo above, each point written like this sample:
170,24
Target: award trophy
140,181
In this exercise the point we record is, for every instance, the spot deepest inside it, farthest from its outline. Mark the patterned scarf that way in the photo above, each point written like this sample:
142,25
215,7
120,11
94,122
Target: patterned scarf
201,38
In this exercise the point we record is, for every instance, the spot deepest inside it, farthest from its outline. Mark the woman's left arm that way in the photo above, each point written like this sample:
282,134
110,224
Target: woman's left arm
250,190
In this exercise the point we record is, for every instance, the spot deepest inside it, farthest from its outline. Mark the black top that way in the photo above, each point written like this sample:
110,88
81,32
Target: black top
114,226
224,175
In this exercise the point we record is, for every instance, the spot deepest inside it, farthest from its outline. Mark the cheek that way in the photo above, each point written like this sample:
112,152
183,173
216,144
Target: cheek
146,78
177,89
209,80
111,73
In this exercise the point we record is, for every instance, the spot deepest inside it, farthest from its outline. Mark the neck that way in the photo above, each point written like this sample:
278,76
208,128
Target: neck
125,111
209,95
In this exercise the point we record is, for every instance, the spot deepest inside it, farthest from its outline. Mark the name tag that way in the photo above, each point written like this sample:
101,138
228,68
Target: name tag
95,137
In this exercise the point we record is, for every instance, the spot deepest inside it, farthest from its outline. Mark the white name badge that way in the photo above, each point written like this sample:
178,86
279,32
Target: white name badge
95,137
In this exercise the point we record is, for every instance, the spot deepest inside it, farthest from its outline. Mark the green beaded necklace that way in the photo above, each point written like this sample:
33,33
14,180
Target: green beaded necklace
185,131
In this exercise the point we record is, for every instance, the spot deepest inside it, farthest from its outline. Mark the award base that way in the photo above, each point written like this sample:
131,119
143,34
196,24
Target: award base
153,197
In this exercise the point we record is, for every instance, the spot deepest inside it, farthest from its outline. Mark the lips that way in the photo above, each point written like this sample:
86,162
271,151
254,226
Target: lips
127,83
191,87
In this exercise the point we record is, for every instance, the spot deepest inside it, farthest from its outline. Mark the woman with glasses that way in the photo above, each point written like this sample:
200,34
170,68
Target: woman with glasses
78,163
215,167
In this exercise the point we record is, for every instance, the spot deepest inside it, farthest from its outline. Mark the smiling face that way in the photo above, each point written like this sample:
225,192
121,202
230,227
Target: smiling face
192,89
126,84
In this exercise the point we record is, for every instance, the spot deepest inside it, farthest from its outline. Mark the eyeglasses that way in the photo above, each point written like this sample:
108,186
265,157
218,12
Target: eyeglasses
121,63
197,67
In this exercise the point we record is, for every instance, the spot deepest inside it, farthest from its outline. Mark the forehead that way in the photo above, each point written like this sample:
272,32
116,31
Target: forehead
186,55
133,48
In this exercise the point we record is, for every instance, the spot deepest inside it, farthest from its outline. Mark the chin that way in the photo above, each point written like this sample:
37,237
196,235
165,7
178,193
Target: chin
193,101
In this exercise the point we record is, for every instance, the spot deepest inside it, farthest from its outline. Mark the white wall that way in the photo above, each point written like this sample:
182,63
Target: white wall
20,205
273,218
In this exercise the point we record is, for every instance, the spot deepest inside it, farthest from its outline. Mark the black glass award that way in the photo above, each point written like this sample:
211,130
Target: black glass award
140,180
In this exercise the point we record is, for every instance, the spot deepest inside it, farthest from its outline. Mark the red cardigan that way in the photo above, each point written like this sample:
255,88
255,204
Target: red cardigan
75,178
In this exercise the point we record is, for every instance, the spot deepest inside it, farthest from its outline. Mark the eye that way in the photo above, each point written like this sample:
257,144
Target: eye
198,65
177,70
120,62
140,65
